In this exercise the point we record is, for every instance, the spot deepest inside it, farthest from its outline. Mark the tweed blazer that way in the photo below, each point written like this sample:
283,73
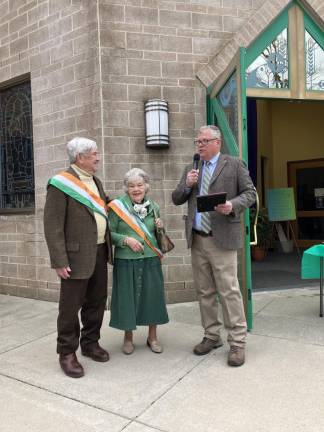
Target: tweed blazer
71,232
230,176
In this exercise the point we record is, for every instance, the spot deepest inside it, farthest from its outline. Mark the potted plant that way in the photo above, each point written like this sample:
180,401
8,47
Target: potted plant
264,230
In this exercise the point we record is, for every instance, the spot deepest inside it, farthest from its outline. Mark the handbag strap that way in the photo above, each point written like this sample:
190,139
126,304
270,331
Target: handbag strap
156,217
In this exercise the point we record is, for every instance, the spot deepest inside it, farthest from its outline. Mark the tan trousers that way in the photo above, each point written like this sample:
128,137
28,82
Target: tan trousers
215,272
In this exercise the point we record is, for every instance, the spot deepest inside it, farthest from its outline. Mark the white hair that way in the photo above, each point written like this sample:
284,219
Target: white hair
79,145
136,174
215,131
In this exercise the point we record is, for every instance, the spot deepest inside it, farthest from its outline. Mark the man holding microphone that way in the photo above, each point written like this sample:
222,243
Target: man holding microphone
214,238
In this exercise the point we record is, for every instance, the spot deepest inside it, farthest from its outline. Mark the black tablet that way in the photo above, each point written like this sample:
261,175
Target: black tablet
207,203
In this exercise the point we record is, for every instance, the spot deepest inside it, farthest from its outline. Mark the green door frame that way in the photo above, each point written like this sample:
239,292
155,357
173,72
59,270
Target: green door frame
215,111
216,114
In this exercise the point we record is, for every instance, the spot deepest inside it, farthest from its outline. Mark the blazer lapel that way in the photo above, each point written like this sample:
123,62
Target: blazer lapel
219,167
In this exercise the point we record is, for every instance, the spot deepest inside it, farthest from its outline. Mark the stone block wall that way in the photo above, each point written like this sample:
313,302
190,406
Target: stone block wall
153,49
92,64
54,43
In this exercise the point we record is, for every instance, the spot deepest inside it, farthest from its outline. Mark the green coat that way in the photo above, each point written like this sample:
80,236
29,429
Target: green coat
120,230
138,290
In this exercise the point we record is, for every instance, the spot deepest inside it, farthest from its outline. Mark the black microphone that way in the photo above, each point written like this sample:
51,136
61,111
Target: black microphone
196,159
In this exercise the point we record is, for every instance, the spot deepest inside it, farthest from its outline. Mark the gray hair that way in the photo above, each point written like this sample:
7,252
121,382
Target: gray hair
136,174
79,145
215,131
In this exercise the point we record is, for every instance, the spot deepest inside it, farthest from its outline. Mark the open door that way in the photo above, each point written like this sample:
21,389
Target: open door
226,108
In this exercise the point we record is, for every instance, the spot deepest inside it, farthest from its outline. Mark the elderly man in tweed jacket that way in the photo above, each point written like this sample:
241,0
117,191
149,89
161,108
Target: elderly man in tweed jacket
79,244
214,238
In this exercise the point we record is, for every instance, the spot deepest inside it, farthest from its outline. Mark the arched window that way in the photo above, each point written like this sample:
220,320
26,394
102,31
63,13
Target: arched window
17,188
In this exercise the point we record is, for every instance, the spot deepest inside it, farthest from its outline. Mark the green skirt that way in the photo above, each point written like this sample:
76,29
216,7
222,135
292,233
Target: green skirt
137,293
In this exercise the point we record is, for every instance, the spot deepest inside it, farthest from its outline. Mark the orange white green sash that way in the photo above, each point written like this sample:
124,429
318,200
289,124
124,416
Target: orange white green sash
75,188
135,223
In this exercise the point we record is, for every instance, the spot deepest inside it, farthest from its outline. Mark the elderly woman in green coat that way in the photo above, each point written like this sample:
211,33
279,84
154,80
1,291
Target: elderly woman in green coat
138,289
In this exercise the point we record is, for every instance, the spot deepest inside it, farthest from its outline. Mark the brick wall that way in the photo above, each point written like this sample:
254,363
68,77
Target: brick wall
92,64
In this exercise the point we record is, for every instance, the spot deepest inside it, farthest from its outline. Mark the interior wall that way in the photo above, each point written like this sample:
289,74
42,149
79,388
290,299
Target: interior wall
265,143
288,131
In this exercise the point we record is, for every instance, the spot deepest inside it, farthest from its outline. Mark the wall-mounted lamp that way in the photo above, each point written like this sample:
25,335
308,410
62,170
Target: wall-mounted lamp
156,123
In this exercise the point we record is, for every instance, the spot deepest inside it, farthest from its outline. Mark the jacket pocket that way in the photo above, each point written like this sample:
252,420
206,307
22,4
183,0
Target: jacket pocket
235,219
72,247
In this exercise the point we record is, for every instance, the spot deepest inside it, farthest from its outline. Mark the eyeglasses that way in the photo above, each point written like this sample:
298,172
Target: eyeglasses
204,142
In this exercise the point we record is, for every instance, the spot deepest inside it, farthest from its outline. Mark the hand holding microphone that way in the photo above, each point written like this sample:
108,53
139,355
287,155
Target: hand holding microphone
192,176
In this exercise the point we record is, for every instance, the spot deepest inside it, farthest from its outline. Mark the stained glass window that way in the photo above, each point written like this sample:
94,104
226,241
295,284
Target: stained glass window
314,55
227,97
16,149
270,69
225,148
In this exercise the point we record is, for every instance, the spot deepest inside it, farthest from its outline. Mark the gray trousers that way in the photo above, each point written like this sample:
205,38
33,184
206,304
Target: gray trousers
215,272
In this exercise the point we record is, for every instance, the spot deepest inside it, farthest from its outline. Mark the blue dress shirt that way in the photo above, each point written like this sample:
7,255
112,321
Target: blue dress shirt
211,167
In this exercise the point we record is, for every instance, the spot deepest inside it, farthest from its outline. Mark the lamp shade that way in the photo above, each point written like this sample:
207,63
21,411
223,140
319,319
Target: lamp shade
156,123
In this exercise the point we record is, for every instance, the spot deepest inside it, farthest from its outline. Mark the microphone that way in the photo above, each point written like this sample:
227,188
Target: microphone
196,159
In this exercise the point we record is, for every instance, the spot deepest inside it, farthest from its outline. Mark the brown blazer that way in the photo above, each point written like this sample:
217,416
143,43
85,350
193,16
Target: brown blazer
231,176
71,232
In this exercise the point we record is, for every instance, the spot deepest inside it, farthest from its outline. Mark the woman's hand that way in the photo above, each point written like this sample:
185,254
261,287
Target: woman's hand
158,223
134,244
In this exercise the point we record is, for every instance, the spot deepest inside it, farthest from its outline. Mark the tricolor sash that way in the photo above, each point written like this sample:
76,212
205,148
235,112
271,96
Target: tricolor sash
76,189
122,210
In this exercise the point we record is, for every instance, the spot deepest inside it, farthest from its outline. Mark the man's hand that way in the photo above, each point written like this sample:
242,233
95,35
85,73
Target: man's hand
224,209
192,177
63,273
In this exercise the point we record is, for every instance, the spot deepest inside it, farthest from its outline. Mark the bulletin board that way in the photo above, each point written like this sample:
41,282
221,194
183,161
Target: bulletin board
281,204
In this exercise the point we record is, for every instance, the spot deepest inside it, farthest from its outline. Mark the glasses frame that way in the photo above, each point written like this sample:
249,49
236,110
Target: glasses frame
204,142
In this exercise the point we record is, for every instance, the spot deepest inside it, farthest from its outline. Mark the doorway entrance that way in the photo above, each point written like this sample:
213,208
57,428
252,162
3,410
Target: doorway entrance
285,147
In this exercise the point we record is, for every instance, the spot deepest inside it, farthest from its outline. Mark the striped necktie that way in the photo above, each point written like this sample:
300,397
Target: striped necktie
205,218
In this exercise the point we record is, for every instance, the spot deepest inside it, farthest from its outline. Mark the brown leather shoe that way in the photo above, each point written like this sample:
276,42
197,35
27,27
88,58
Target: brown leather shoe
236,356
206,345
96,353
70,365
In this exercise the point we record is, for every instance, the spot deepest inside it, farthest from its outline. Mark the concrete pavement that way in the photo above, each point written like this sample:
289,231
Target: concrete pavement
280,388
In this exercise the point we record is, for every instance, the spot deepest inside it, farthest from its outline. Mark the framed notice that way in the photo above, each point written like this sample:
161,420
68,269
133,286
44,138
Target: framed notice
281,204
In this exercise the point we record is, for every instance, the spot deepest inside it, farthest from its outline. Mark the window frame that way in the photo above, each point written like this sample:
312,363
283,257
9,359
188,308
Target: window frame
24,79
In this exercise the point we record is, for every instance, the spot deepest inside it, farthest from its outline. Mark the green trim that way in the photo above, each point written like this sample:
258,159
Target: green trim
70,192
264,40
314,30
247,261
210,88
215,108
224,127
209,115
